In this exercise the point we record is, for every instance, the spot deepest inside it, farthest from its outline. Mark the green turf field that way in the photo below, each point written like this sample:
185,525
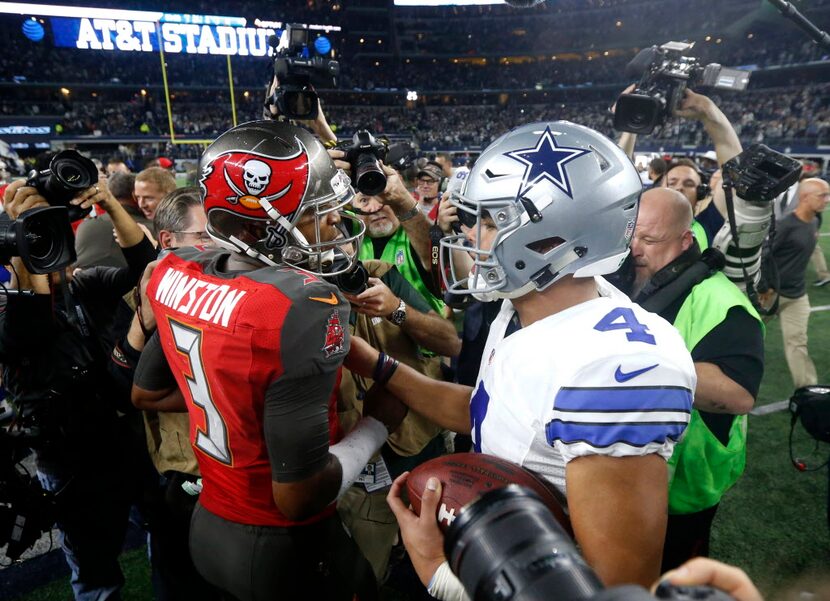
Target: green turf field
772,524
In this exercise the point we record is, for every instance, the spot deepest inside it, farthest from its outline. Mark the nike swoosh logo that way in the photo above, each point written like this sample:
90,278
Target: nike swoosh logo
332,300
621,376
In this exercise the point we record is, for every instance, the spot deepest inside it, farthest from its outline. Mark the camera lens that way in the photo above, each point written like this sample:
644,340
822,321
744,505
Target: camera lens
70,174
369,177
507,545
72,171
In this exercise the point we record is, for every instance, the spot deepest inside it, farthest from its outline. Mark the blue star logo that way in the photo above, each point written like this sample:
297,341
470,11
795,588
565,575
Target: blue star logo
546,161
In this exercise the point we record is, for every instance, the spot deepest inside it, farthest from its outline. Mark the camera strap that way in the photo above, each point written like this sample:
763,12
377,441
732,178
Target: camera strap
436,279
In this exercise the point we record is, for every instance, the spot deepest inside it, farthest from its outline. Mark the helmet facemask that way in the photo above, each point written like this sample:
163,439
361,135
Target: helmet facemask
271,192
563,199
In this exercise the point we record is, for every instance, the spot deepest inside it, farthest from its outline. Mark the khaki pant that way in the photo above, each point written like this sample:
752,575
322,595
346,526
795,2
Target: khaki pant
794,314
372,525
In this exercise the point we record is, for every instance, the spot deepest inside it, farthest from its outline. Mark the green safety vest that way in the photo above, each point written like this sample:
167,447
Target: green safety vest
700,235
701,469
398,252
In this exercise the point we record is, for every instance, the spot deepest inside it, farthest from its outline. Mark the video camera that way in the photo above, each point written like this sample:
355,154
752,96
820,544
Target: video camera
42,237
665,73
298,72
507,546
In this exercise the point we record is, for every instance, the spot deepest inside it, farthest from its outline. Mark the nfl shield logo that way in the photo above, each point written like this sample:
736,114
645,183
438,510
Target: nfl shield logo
399,258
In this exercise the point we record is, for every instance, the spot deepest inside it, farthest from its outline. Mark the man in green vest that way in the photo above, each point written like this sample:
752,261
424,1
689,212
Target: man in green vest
724,335
397,232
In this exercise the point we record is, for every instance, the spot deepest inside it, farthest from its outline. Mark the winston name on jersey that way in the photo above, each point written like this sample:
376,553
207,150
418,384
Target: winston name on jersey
604,377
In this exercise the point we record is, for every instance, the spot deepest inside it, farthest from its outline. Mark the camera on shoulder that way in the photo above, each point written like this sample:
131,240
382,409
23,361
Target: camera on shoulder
298,72
665,73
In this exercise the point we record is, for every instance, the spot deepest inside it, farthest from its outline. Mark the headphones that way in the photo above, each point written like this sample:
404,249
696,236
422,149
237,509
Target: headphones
442,180
703,190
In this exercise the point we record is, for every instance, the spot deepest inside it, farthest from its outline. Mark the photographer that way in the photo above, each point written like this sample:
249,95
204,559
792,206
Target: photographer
397,232
710,226
724,334
53,346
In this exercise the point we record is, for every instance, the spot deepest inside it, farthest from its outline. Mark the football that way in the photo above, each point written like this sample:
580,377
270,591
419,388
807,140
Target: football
465,476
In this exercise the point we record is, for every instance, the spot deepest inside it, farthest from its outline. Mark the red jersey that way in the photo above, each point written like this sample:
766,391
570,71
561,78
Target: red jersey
227,337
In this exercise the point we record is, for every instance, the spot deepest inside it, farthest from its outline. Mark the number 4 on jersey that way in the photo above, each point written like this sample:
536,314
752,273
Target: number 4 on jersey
622,318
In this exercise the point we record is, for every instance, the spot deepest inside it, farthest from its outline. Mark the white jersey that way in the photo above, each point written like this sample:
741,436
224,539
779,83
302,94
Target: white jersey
605,377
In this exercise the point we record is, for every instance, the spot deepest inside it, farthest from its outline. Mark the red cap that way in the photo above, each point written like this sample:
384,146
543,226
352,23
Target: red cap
165,163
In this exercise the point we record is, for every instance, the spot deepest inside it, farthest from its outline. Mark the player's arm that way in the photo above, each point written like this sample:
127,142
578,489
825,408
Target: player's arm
443,403
154,386
307,474
618,509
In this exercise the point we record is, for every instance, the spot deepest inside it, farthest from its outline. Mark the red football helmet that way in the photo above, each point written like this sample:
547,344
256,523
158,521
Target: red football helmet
260,179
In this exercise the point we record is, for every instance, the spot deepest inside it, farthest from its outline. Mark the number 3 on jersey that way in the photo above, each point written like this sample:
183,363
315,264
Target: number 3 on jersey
622,318
214,439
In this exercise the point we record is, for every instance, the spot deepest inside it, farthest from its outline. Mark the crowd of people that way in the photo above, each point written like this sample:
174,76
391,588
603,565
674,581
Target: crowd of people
258,359
321,307
779,116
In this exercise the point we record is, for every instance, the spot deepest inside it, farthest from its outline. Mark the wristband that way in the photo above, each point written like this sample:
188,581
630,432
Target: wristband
384,368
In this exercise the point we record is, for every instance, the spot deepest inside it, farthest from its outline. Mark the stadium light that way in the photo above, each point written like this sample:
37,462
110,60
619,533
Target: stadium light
411,95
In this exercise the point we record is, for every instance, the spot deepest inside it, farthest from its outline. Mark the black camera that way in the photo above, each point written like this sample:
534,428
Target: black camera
69,174
365,153
298,73
507,546
760,174
665,73
354,281
42,237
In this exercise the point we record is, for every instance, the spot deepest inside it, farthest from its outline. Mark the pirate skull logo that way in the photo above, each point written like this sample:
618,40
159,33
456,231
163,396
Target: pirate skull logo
256,175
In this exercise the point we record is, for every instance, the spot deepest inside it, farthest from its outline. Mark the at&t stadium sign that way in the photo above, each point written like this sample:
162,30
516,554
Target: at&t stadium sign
146,31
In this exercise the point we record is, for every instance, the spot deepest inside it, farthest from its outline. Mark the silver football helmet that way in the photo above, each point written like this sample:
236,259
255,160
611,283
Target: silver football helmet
563,199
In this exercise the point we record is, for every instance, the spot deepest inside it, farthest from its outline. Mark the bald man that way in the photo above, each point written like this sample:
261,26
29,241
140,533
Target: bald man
796,236
724,335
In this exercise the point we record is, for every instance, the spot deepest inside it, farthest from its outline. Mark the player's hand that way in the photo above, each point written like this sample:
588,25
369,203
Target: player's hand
447,214
702,571
384,407
695,106
19,198
376,301
362,357
421,536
